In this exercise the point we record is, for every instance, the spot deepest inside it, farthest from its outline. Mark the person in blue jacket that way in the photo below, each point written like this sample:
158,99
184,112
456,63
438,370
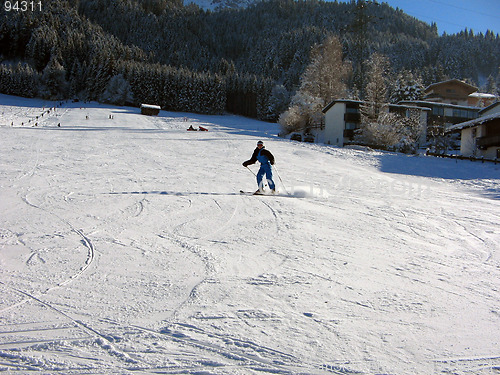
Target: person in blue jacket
266,159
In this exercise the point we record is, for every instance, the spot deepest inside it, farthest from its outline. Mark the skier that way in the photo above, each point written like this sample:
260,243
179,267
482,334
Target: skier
266,159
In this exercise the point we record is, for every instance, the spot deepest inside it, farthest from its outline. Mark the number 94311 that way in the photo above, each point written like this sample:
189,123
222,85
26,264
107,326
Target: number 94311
22,6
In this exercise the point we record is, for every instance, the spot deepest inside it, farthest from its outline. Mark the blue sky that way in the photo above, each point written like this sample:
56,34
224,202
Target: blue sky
453,16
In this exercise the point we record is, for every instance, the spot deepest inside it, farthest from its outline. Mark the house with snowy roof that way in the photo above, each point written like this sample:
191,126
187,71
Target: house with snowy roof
450,102
456,92
343,118
444,114
481,137
444,105
452,91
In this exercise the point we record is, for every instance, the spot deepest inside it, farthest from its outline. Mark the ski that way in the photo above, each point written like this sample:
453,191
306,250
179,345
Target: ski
249,193
265,194
253,193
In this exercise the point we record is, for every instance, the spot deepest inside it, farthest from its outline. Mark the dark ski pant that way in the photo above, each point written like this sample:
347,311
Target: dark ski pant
265,169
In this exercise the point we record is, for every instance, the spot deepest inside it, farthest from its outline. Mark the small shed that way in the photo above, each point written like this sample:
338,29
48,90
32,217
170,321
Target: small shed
150,110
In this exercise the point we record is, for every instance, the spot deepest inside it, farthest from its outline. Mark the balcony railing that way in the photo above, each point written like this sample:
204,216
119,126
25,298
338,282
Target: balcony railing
484,142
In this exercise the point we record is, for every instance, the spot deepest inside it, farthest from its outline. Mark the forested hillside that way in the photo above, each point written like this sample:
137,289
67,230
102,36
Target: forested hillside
187,59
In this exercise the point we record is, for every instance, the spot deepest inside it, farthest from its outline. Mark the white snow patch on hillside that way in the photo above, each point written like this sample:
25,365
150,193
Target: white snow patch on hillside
125,247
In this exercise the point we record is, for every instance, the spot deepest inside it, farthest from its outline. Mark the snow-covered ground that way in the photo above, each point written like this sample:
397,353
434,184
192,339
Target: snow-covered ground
126,248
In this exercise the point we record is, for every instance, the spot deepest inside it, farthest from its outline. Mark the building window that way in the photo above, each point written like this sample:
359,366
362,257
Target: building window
462,113
351,125
438,111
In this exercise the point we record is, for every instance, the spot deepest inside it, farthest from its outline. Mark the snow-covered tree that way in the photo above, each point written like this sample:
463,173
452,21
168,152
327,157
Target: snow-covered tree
410,130
407,87
324,79
491,86
118,91
439,140
53,81
327,74
382,130
376,88
379,126
95,40
278,102
304,114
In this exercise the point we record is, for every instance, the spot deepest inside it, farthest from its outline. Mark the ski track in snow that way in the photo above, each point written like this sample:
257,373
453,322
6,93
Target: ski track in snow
125,247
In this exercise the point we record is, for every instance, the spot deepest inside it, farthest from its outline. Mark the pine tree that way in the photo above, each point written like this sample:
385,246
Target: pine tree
407,87
53,81
278,102
491,86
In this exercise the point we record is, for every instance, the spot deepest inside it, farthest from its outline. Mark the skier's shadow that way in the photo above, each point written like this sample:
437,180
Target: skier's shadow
197,193
172,193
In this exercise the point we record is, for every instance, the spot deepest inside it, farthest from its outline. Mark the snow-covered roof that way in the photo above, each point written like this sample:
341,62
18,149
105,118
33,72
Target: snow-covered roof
409,106
489,108
399,105
333,102
475,122
482,95
150,106
462,83
436,104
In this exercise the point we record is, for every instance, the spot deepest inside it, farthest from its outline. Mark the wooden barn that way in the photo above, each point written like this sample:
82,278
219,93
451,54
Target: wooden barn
150,110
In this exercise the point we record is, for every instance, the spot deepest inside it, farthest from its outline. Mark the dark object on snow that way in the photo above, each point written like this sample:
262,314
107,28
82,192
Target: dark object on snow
150,110
309,138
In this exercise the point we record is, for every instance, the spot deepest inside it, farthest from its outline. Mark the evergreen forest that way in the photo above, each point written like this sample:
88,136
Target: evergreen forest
245,61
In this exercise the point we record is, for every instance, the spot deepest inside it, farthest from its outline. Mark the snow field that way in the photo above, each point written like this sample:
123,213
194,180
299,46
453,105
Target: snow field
125,247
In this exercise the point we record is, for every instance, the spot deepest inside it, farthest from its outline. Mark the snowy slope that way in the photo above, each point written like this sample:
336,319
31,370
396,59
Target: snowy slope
126,248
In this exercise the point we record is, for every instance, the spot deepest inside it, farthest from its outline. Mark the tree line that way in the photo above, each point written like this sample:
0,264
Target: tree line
247,61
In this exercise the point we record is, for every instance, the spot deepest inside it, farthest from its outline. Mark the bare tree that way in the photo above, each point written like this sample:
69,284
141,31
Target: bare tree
400,131
376,88
375,127
327,74
324,79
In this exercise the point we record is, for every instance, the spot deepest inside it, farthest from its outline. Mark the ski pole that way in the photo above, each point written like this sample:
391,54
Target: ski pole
276,169
251,171
265,183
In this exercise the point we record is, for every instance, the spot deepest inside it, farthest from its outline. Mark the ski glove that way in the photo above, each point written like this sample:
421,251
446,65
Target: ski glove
246,163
